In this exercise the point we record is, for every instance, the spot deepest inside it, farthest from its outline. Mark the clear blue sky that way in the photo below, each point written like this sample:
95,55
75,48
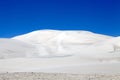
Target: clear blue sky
22,16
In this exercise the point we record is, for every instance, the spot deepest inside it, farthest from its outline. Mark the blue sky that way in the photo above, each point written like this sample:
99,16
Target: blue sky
22,16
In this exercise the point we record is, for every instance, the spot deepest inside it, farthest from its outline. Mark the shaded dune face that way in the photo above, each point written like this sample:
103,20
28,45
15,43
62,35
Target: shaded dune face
55,43
14,48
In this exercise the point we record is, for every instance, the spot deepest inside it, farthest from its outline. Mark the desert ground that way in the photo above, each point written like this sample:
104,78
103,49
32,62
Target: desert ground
57,76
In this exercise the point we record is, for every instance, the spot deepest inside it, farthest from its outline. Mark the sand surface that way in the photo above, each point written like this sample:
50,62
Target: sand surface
93,56
57,76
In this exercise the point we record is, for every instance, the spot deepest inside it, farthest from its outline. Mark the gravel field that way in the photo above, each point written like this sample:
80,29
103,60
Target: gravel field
57,76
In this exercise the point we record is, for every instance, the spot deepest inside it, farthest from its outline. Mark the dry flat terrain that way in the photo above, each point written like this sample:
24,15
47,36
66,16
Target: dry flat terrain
57,76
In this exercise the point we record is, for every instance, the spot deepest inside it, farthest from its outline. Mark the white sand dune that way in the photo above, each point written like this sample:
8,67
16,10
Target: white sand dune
60,51
58,66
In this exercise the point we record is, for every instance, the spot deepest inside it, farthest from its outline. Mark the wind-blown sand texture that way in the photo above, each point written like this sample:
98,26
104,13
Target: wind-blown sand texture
57,76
